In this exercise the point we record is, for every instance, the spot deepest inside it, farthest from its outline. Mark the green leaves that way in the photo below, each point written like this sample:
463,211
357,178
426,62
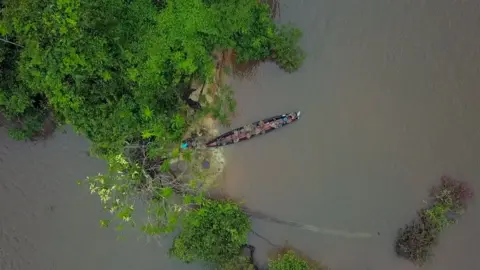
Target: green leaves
286,52
25,108
289,260
448,202
213,233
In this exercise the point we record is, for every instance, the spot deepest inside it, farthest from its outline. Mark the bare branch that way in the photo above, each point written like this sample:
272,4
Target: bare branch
9,42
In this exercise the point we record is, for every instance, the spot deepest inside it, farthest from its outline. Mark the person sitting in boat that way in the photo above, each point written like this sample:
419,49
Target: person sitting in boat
259,128
277,123
290,119
249,131
235,136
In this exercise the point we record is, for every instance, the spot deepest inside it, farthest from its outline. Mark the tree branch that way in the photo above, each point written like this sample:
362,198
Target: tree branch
9,42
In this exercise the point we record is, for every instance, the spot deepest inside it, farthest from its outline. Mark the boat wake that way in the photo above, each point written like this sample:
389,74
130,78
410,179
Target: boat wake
312,228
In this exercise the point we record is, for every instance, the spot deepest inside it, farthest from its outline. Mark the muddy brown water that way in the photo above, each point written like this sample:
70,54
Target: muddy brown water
390,102
48,222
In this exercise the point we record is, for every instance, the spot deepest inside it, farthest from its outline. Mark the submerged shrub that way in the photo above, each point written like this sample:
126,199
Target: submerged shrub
286,51
215,232
452,192
289,260
448,201
238,263
415,240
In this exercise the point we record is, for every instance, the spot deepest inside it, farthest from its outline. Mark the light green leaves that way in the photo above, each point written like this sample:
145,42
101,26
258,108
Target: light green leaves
147,113
289,260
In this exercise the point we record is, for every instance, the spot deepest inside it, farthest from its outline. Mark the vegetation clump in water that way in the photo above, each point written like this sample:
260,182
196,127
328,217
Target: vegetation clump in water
448,201
286,52
215,232
288,259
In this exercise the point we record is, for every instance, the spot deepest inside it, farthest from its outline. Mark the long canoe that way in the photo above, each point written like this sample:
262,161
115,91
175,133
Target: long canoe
255,129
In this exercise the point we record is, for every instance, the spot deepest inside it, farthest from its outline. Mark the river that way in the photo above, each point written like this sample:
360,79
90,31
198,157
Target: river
389,100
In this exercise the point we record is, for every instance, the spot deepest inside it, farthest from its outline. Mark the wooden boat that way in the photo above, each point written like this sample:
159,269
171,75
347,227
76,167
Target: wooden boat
255,129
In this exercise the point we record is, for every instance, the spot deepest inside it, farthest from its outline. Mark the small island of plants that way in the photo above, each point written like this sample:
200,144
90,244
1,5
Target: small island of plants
447,203
288,259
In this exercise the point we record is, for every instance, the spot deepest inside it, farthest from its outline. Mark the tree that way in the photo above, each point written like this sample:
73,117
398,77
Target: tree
215,232
25,108
289,260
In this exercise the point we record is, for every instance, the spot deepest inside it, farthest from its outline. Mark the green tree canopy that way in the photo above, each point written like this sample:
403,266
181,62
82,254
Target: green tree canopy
213,233
115,69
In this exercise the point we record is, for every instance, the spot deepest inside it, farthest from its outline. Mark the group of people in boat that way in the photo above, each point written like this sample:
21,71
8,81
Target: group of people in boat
247,131
261,127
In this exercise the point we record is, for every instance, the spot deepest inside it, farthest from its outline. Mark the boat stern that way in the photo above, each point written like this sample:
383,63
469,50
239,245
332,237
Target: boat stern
298,114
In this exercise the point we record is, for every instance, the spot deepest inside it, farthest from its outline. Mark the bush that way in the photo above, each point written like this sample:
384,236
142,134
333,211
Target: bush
289,260
213,233
286,52
238,263
25,109
414,242
448,201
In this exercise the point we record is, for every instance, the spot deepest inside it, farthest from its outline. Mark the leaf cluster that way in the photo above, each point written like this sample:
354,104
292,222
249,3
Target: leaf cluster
416,240
289,260
25,108
215,232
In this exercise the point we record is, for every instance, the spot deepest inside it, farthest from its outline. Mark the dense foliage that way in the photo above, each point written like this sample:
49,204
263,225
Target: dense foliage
448,201
289,260
213,233
115,69
239,262
25,108
286,52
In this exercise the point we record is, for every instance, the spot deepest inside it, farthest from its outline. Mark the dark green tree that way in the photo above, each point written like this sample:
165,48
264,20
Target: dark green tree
213,233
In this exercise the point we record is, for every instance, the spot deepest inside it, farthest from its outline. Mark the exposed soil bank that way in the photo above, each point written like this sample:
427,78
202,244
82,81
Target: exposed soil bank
390,101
